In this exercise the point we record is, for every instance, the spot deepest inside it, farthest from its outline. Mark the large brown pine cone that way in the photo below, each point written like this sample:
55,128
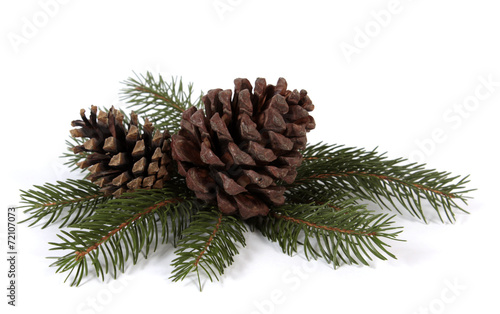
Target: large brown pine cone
120,159
234,153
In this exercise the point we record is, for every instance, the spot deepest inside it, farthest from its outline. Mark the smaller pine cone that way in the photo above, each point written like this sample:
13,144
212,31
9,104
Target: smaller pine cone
234,153
122,159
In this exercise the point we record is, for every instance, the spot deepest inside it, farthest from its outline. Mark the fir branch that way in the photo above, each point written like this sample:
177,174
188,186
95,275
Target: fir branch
72,158
161,101
349,235
147,211
77,199
371,176
124,227
209,244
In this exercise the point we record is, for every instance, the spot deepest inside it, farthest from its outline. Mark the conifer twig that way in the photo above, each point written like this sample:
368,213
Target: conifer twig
350,235
121,228
162,101
148,210
72,158
209,245
68,202
371,176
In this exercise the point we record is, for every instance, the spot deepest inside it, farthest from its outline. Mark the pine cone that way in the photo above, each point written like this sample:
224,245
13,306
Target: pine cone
233,155
120,159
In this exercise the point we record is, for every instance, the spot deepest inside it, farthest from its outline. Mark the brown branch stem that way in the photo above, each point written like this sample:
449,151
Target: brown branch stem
310,224
381,177
71,201
207,244
336,208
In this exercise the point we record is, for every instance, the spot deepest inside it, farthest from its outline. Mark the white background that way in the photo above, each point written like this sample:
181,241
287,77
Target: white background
411,67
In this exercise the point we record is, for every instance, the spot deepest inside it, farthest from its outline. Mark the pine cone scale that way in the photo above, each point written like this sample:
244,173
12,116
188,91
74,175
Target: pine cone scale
249,206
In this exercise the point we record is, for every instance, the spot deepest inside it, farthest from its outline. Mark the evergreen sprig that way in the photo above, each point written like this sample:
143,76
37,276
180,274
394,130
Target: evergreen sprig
71,158
122,228
67,202
162,101
371,176
338,231
208,244
324,210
